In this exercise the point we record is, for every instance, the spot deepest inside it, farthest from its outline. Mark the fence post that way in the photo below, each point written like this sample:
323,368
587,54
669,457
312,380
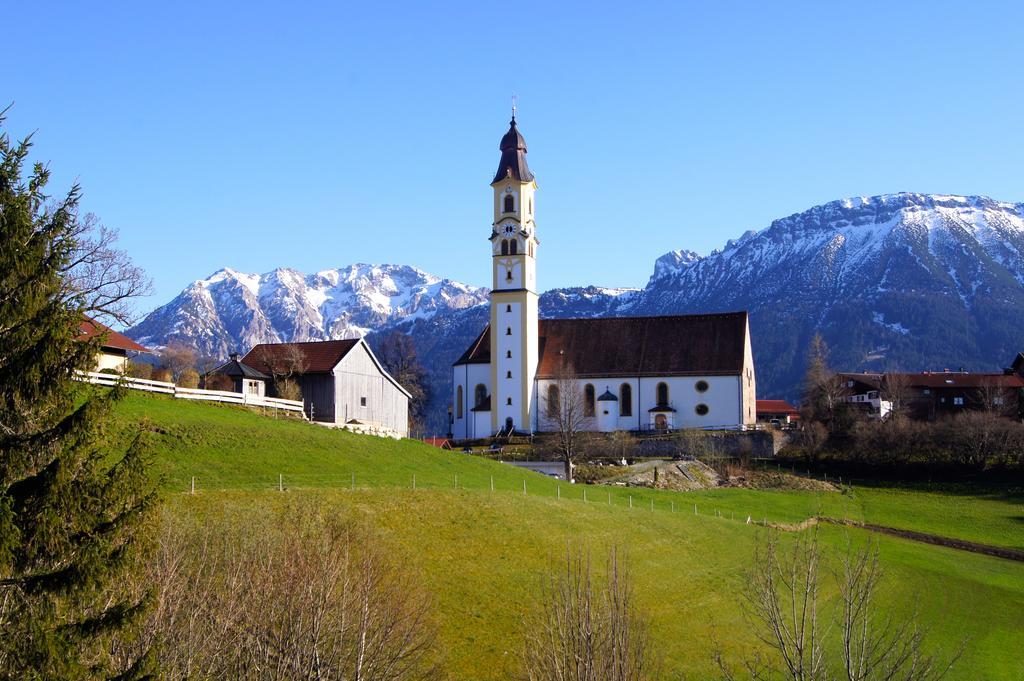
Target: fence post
558,491
673,507
631,501
492,483
695,509
524,486
353,482
280,482
652,504
584,495
609,498
193,485
414,481
456,481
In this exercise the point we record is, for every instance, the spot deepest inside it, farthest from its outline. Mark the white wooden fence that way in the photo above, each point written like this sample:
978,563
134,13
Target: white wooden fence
191,393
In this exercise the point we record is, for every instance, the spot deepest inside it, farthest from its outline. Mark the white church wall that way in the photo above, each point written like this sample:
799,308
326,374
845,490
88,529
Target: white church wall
468,376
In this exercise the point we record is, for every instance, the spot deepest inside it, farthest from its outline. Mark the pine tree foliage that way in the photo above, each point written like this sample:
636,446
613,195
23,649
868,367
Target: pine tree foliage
71,511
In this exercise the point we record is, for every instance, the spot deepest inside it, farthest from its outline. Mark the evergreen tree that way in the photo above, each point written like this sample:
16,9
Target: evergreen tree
71,511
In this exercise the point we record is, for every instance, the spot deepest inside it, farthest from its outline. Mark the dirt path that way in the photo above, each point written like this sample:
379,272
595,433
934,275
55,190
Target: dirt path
948,542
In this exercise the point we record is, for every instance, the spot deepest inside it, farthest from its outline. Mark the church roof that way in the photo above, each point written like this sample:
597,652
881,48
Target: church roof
513,156
679,345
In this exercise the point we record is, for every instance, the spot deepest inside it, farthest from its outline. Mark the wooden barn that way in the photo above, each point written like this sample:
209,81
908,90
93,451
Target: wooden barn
342,383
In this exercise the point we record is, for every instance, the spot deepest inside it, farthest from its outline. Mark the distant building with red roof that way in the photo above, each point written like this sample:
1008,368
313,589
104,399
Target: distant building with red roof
780,410
116,348
929,395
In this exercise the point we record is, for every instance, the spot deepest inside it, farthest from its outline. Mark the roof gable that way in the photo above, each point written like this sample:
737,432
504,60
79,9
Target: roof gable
315,357
90,328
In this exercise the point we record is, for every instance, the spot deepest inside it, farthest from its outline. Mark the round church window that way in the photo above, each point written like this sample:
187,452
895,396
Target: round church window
702,410
702,386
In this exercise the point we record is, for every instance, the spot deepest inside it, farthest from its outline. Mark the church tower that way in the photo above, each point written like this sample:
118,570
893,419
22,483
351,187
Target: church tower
514,332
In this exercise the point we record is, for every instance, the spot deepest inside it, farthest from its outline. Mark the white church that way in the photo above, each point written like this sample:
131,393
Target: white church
632,373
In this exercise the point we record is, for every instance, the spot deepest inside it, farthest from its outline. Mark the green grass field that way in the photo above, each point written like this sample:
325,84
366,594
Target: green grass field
480,554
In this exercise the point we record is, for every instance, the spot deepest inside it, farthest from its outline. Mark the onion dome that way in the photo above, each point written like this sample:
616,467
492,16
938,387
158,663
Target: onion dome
513,156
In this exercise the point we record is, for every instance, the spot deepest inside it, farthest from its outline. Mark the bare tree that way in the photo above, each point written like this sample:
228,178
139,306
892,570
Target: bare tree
566,408
992,397
318,600
895,389
99,277
782,601
284,364
177,358
585,632
397,353
824,390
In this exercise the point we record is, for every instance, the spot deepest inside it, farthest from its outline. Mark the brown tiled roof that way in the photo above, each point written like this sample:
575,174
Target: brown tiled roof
317,356
775,407
682,345
90,328
944,379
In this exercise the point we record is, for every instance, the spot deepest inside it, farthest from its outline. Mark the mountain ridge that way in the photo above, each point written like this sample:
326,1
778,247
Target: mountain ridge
905,280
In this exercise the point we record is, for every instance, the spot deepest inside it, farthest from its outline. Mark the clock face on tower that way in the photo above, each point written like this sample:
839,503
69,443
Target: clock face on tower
509,229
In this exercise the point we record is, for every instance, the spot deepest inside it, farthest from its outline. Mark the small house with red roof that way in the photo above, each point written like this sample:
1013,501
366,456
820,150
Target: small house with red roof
116,349
782,411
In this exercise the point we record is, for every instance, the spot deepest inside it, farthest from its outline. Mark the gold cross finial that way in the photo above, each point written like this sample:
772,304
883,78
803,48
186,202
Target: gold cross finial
514,99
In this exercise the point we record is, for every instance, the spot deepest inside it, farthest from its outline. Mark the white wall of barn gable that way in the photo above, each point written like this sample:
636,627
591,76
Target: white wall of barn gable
358,379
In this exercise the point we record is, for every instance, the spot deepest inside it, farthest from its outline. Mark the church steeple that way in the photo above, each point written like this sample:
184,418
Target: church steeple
513,156
514,310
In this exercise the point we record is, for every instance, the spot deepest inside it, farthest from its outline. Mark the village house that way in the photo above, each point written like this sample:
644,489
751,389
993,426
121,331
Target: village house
777,412
116,350
930,395
341,383
633,373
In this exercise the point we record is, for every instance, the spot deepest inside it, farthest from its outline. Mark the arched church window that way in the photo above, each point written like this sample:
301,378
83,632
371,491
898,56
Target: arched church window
508,275
508,374
479,394
509,402
513,247
508,331
625,400
509,354
552,405
510,203
508,308
662,396
504,246
588,400
458,402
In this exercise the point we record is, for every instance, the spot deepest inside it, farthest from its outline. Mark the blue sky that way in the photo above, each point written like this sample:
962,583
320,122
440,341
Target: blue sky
257,135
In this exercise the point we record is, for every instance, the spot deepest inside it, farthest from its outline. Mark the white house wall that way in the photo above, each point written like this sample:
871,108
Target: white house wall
357,376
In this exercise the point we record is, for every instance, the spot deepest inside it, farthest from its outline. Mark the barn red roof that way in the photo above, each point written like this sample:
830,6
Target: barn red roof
775,407
681,345
90,328
317,356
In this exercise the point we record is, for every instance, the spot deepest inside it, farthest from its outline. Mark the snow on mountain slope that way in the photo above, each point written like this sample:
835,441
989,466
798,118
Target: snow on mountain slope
911,280
232,310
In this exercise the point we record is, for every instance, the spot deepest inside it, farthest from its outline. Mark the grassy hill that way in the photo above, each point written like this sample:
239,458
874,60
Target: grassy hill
481,553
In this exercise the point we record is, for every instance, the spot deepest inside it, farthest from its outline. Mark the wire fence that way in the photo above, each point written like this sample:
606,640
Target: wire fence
622,497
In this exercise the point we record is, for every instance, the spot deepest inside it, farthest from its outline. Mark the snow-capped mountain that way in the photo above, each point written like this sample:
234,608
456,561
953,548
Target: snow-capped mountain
907,281
232,310
910,281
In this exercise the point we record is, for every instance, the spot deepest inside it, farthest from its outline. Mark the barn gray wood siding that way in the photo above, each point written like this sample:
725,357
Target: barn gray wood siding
355,377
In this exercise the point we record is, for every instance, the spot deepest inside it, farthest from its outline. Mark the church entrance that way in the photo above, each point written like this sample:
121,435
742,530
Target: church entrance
509,426
660,422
